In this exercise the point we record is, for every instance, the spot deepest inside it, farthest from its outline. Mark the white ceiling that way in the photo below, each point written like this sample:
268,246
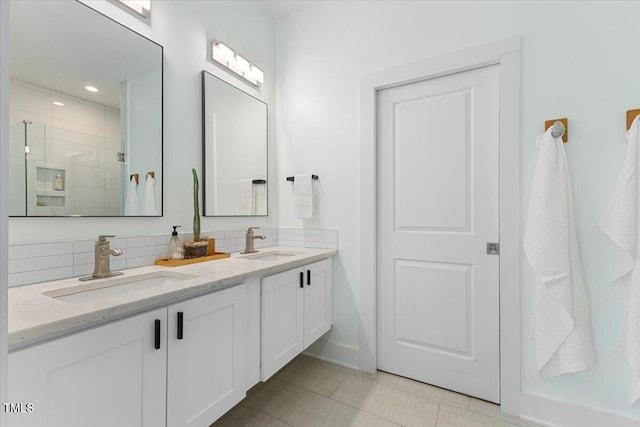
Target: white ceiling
66,46
280,8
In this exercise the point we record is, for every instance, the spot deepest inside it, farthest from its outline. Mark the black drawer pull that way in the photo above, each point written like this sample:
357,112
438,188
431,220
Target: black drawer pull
308,277
180,325
157,335
302,279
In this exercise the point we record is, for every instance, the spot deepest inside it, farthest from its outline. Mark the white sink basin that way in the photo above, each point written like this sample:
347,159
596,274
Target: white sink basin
272,255
119,286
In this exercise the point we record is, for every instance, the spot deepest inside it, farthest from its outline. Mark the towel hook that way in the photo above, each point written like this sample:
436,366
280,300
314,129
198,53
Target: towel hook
134,176
631,115
559,128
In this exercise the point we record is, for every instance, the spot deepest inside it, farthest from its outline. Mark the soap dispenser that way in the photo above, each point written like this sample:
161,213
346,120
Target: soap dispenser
174,250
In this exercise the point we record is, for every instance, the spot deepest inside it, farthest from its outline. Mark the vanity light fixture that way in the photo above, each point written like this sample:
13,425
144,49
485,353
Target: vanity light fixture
232,61
91,88
58,103
141,7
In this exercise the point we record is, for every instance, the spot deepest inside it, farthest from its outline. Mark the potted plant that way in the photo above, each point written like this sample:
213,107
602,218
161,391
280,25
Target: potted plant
198,247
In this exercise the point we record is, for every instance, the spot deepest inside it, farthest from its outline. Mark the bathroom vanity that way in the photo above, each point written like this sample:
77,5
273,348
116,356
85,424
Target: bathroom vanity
159,346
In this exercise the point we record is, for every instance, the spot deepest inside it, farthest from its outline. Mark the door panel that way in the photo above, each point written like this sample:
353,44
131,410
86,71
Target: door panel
282,320
318,301
108,376
438,290
438,117
443,290
207,364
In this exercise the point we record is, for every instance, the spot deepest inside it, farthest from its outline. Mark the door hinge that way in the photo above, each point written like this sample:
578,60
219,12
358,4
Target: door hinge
493,248
120,157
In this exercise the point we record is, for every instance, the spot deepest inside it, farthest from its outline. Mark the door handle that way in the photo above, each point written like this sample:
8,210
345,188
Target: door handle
308,277
157,335
180,325
302,279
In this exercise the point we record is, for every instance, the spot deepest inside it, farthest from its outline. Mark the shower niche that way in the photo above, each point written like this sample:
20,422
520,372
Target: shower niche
50,186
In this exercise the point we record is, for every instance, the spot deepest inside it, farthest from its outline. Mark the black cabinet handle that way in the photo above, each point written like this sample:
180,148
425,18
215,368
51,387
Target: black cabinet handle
308,277
157,335
180,325
302,279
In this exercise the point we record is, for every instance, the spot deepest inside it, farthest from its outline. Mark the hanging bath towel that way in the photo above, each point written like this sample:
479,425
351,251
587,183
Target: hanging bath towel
303,196
560,309
245,197
132,204
149,204
620,223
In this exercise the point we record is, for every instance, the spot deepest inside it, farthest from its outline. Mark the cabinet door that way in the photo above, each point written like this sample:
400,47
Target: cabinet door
108,376
282,321
318,301
206,362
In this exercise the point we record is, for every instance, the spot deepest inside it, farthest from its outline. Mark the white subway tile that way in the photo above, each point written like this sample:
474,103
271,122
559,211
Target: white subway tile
28,277
146,251
136,242
140,262
39,263
40,249
236,234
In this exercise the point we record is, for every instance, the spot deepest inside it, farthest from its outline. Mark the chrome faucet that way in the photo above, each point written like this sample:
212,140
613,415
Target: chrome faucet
103,253
249,247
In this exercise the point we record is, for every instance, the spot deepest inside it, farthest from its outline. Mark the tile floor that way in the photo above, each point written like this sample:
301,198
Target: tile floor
309,392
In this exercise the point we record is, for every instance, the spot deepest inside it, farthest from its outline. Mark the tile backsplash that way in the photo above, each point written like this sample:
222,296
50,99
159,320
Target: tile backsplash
41,262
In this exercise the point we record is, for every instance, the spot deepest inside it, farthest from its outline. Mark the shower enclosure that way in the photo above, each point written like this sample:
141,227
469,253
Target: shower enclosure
62,172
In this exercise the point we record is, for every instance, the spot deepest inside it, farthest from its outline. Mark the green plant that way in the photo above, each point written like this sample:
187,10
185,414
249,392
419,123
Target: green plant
196,207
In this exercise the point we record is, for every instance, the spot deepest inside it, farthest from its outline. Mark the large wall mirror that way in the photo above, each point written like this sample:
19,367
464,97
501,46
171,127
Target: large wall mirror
235,150
85,114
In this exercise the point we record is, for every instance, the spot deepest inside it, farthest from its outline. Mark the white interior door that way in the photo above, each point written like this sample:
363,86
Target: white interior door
438,289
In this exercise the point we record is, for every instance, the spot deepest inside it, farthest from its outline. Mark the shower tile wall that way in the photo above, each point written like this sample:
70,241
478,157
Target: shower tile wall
82,139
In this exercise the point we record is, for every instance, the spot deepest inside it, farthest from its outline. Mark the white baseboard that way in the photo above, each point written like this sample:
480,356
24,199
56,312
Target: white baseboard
556,413
340,354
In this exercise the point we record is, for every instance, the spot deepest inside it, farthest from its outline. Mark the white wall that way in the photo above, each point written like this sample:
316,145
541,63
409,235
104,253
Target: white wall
576,63
185,29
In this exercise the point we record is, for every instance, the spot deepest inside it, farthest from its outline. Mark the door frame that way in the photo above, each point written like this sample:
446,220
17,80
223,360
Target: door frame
506,54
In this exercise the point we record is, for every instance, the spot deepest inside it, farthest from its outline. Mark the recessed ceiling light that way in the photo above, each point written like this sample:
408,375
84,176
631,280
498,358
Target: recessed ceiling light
91,88
58,103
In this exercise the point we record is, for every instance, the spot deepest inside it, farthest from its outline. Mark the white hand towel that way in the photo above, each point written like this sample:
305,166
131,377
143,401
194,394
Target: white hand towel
149,203
560,309
620,223
245,197
132,204
303,196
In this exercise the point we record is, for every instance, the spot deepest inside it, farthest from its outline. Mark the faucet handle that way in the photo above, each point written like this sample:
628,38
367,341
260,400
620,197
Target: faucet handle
103,238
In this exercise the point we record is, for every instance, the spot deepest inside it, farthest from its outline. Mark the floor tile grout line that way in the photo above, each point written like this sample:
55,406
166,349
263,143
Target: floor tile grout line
374,378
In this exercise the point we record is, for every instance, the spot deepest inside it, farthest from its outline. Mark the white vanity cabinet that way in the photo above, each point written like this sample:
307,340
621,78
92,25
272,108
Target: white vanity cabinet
206,357
186,371
297,309
112,375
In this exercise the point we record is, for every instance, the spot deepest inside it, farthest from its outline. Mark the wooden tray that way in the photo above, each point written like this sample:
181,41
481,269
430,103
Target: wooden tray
167,263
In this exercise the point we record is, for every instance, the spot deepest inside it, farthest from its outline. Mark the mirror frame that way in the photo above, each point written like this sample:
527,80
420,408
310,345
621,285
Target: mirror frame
162,168
204,150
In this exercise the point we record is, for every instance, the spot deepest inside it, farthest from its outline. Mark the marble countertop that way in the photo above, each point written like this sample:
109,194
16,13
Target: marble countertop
35,317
